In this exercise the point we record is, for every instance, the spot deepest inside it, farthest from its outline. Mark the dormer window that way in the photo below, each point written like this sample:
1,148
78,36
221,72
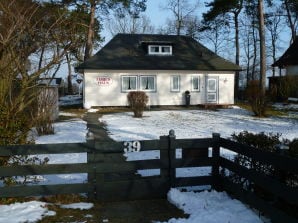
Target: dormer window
160,50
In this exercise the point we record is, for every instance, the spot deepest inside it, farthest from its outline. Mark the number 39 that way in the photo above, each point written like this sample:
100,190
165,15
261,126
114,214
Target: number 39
134,146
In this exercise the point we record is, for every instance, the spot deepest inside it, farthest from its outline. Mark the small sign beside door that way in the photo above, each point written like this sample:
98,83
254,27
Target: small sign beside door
104,81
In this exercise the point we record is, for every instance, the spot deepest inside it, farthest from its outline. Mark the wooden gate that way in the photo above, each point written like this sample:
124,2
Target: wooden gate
116,178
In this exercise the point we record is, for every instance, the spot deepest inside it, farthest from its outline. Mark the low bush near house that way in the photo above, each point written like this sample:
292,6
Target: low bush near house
256,98
137,100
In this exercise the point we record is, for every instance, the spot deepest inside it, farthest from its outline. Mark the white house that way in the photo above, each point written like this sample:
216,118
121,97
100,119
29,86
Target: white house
289,62
163,66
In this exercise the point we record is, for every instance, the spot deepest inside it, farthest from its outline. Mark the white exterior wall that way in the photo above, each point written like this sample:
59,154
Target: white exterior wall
292,70
111,95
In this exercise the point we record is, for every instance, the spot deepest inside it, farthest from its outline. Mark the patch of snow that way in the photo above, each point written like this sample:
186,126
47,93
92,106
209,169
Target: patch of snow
81,206
93,110
70,131
210,207
24,212
194,124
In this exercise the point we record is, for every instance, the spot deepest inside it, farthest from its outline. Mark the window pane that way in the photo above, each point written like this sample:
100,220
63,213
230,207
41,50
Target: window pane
175,83
147,83
129,83
211,85
150,83
144,83
125,83
154,49
165,49
195,83
133,83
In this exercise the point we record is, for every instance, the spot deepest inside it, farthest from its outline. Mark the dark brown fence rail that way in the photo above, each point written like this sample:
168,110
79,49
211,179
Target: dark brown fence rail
112,177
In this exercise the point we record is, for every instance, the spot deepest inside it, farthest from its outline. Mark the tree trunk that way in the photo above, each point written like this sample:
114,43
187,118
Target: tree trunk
69,77
90,35
254,64
292,26
236,84
262,47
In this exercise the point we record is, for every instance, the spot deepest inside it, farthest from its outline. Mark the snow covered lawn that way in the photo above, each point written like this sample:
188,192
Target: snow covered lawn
195,124
204,207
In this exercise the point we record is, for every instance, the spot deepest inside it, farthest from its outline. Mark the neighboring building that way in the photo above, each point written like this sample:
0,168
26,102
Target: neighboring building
289,62
163,66
48,99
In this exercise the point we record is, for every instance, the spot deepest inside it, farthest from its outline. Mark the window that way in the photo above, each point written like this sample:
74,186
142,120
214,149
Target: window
129,83
134,83
211,85
147,83
159,50
195,83
166,49
175,83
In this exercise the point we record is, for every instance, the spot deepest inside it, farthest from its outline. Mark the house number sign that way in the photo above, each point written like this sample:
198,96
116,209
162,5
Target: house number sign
130,147
104,80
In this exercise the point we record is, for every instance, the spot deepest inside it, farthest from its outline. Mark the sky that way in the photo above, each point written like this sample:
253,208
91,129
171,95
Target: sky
158,15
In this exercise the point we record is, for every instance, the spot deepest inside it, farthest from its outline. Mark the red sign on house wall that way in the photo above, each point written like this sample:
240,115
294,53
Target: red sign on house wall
104,81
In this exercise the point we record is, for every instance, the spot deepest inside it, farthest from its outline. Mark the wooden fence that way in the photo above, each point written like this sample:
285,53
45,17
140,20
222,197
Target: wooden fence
111,177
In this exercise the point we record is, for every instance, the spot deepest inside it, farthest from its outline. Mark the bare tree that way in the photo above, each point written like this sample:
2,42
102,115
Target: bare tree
291,7
27,29
182,11
224,8
126,22
262,46
273,21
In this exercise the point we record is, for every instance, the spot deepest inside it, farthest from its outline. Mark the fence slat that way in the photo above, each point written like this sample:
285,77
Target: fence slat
192,181
193,143
44,169
43,190
278,189
280,161
44,149
187,162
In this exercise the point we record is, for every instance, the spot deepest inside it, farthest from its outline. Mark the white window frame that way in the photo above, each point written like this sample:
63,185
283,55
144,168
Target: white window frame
144,89
192,83
129,76
160,47
172,83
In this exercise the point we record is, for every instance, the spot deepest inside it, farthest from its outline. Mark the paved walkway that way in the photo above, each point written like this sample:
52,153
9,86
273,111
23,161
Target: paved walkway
129,211
97,128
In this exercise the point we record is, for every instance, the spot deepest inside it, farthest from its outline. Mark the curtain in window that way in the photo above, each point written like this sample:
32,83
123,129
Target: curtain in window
148,83
129,83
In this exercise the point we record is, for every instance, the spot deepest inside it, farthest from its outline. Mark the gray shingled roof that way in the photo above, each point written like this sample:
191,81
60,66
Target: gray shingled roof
129,52
290,57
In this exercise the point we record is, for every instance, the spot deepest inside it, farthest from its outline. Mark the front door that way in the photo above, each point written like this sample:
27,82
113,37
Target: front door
212,89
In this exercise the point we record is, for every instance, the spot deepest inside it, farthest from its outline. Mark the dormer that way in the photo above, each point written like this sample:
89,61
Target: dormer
162,50
157,48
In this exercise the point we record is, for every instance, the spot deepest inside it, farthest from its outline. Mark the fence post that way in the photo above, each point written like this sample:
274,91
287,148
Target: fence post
92,168
171,157
164,145
215,157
